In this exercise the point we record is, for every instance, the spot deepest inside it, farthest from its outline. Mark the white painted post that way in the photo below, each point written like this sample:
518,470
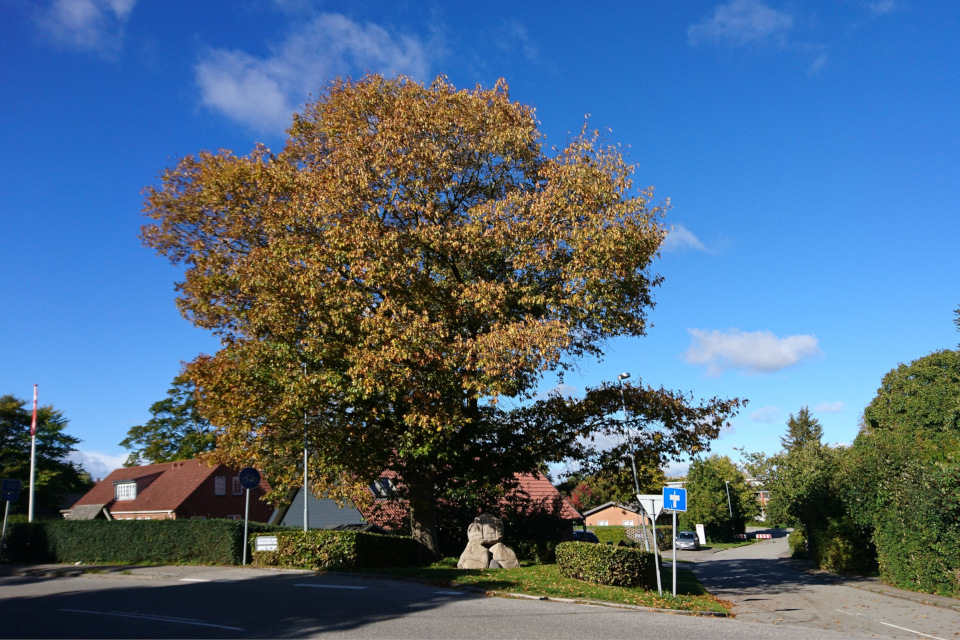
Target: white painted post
656,547
246,523
674,549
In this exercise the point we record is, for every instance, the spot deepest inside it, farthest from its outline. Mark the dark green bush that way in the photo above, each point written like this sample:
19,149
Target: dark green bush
607,565
536,551
340,549
798,544
843,547
607,534
129,541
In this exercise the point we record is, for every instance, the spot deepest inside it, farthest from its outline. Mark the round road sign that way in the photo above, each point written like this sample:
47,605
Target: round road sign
249,478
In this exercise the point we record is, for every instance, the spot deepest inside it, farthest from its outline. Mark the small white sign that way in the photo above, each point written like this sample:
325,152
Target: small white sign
652,503
266,543
701,533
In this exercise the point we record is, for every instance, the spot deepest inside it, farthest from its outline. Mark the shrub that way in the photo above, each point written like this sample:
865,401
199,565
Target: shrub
613,534
843,547
607,565
798,544
536,551
133,541
340,549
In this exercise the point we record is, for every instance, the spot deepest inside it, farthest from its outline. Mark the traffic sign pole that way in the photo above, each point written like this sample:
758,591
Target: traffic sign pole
656,546
249,478
674,554
6,511
246,523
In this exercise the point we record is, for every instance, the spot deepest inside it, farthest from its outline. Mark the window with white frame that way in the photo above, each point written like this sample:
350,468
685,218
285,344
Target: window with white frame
237,487
602,523
628,523
219,486
125,490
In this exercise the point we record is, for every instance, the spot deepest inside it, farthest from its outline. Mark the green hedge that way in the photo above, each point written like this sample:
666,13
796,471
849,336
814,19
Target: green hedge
129,541
607,565
340,549
615,534
536,551
798,544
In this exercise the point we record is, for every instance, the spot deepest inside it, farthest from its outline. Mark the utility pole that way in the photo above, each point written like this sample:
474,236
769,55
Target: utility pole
730,509
33,456
636,483
306,489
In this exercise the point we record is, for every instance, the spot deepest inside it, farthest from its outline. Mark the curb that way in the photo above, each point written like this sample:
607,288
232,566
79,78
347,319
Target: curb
830,577
526,596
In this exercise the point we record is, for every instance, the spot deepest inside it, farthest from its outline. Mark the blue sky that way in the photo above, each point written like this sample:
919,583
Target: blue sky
810,151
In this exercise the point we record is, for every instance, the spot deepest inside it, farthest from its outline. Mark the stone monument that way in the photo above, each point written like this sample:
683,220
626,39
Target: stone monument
485,549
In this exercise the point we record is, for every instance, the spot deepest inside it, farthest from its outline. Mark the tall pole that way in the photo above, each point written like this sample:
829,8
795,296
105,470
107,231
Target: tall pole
306,491
674,554
730,509
656,547
33,455
246,523
636,483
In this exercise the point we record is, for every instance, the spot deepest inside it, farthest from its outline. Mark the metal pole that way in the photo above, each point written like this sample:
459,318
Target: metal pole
730,508
6,511
246,523
306,489
33,455
656,547
633,462
674,554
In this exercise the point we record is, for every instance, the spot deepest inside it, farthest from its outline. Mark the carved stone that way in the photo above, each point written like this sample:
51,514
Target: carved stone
485,529
475,556
504,556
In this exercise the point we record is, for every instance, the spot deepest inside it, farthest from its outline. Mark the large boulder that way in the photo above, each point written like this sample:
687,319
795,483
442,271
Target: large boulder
504,556
485,529
475,556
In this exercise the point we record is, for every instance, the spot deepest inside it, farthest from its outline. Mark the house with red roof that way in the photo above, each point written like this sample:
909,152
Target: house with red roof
170,491
534,493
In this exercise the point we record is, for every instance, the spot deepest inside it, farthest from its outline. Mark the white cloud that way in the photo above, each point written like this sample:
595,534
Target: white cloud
881,7
766,415
89,25
98,465
830,407
681,238
565,390
675,469
752,352
741,22
514,34
263,93
818,63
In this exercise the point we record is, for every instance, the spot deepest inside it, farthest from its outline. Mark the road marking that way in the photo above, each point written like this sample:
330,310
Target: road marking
143,616
205,580
925,635
327,586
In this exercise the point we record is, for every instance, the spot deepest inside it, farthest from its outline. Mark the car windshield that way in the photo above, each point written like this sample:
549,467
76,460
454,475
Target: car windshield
686,535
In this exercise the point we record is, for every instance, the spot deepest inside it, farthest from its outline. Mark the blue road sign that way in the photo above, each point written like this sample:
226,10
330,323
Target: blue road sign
10,489
249,478
674,499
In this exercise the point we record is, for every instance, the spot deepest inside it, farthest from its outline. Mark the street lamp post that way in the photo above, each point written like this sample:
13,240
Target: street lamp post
636,483
730,509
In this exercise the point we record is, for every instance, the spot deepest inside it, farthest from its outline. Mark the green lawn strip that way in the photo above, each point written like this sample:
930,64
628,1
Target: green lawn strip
546,580
726,545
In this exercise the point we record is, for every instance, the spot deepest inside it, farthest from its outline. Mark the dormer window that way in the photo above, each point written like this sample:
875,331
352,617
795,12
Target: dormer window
125,490
381,488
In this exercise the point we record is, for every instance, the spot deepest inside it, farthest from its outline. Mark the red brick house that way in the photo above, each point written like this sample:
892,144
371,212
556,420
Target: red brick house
168,491
614,513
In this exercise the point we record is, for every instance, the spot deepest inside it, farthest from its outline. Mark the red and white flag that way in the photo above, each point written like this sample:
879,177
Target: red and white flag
33,424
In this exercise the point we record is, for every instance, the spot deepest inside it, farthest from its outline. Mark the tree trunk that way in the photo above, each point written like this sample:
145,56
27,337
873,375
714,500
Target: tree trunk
423,513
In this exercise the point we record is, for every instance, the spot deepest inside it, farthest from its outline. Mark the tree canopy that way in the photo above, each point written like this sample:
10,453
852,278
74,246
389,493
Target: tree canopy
55,477
707,502
400,277
176,431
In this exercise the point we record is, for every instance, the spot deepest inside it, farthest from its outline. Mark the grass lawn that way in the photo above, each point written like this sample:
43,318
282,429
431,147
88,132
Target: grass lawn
546,580
727,545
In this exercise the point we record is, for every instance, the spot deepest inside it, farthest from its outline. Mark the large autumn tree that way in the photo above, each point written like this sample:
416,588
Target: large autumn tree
399,279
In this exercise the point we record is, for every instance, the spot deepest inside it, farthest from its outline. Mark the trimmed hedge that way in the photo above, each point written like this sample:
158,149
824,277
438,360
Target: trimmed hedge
615,534
322,549
535,551
129,541
607,565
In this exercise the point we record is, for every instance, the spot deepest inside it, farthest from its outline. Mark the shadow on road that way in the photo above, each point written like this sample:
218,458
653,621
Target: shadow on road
752,576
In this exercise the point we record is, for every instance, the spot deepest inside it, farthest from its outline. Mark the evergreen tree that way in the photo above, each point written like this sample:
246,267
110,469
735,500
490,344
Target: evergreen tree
802,430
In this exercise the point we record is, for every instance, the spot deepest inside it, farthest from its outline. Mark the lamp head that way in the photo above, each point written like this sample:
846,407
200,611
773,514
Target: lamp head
623,376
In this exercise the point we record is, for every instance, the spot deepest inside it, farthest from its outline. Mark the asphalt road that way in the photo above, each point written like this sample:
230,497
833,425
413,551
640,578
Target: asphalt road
200,602
767,588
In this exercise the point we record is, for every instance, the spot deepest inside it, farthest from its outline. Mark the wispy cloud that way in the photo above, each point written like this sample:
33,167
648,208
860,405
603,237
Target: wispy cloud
563,389
751,352
882,7
98,465
514,35
766,415
88,25
681,238
830,407
263,93
740,23
676,469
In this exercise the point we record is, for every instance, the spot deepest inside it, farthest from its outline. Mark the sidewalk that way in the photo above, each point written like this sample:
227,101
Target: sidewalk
184,573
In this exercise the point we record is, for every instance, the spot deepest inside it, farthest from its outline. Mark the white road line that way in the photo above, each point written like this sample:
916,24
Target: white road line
327,586
142,616
911,631
925,635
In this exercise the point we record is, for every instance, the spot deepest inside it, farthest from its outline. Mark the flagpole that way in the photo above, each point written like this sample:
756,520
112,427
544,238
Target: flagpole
33,454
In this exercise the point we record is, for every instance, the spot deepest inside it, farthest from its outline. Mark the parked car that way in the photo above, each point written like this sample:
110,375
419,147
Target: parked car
688,540
579,535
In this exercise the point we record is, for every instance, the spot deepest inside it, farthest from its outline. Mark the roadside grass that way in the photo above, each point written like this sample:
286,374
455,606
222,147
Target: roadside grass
546,580
728,545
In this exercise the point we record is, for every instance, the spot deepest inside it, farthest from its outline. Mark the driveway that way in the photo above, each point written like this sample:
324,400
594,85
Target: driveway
765,586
